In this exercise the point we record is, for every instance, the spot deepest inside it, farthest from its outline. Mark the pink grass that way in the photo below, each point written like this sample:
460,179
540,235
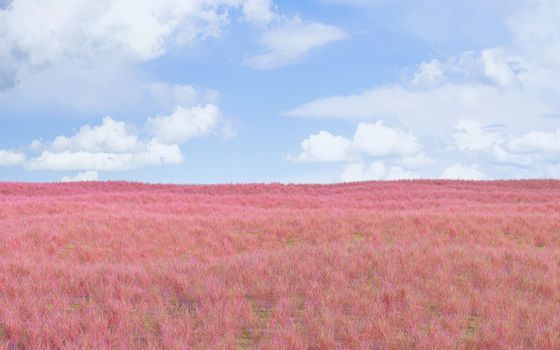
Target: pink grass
396,265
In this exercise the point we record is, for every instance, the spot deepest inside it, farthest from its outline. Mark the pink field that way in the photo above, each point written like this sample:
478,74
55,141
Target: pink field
396,265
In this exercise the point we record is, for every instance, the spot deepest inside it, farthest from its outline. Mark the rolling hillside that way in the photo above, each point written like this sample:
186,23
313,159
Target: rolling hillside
374,265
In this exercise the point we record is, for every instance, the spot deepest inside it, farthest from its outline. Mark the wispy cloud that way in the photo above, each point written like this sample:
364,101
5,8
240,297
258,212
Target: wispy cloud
291,40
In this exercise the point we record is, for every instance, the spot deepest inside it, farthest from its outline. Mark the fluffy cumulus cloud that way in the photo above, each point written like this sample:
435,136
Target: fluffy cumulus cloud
463,172
492,84
377,170
370,139
91,54
292,40
400,150
154,152
324,147
185,123
45,32
378,140
116,146
499,104
10,158
81,177
36,34
110,136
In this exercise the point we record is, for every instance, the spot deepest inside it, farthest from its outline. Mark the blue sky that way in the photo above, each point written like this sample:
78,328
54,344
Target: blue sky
229,91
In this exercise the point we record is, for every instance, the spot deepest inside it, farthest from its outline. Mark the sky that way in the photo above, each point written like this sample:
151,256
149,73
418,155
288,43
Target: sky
308,91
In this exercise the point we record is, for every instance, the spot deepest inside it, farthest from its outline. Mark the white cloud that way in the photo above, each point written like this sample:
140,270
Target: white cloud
110,136
84,30
530,149
355,172
36,33
419,161
116,146
535,142
185,123
259,11
420,110
429,74
501,155
376,171
324,147
499,68
398,148
82,176
536,31
10,158
159,153
513,84
463,172
292,40
94,90
470,135
377,140
370,139
501,101
398,173
171,95
153,153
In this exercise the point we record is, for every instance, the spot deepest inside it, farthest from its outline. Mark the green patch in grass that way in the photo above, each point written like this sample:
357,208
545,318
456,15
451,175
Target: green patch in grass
388,240
290,241
3,332
405,340
80,302
151,325
262,308
179,305
67,251
472,327
69,246
358,237
245,340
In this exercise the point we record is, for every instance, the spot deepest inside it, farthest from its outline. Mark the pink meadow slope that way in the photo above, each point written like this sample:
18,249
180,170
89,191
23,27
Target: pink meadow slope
395,265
